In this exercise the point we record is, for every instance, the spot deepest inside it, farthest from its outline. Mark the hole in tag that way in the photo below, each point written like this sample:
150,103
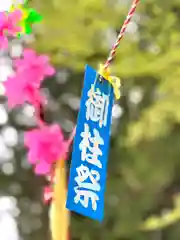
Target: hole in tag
100,79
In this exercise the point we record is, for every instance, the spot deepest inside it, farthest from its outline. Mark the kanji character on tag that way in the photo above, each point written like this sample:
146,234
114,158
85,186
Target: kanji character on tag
91,153
97,106
87,181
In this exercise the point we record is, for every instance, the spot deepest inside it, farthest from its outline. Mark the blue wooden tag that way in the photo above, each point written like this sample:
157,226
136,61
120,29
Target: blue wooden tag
87,179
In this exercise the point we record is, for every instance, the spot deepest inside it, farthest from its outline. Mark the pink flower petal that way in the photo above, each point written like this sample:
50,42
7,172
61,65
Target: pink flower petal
42,168
21,89
14,91
3,19
29,55
16,15
3,42
49,71
31,157
17,63
43,59
46,145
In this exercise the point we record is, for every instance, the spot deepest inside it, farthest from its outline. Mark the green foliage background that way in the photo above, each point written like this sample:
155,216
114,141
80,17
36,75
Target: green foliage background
144,162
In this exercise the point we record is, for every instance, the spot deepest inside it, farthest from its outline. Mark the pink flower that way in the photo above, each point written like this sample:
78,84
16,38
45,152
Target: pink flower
38,65
9,26
20,89
46,145
3,27
13,22
3,42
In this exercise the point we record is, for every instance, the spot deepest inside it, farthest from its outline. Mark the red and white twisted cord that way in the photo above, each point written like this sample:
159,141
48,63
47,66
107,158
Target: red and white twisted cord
121,34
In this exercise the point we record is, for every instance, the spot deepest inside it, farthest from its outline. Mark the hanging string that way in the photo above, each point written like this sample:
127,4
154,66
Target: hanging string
121,34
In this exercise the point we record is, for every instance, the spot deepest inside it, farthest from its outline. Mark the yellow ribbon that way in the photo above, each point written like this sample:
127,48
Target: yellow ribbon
114,81
59,215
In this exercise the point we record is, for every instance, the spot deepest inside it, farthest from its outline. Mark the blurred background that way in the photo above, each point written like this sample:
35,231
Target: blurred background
143,183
